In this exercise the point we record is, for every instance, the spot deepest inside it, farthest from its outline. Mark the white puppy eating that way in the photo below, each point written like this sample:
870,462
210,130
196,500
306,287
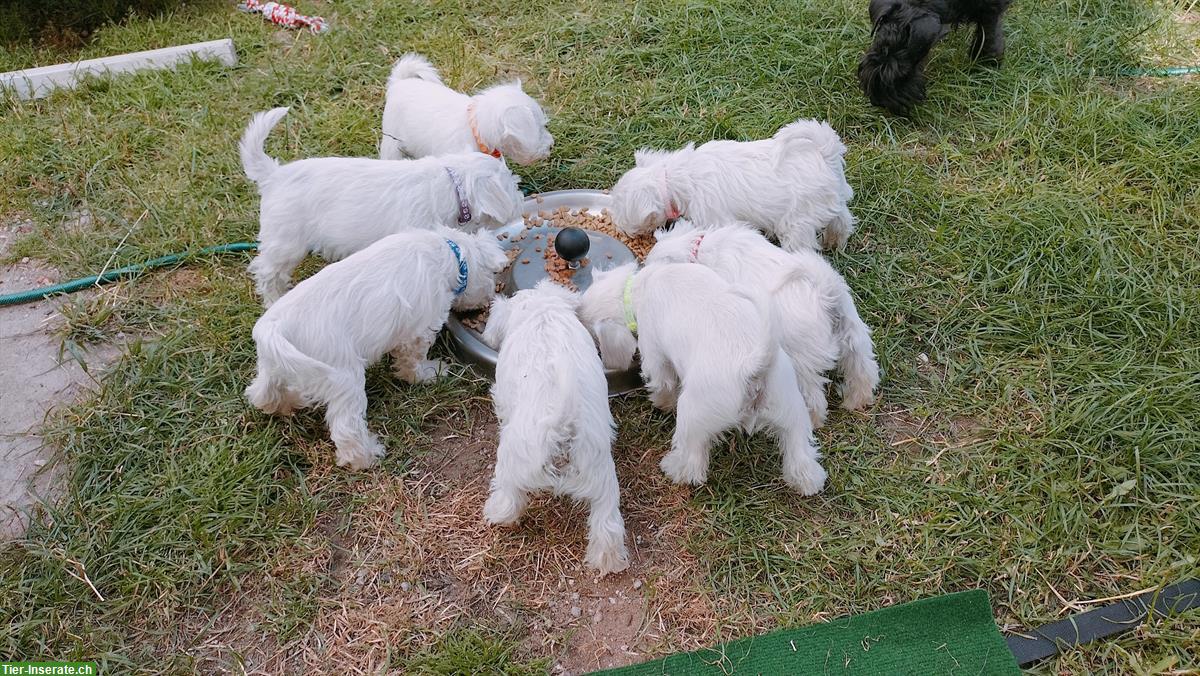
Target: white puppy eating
792,187
335,206
556,431
423,117
315,344
819,325
708,350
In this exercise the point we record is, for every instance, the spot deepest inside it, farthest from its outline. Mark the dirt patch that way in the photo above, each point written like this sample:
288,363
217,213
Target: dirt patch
463,455
587,622
902,427
415,560
37,378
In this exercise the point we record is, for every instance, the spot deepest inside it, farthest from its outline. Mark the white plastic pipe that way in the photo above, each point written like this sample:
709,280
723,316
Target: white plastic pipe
36,83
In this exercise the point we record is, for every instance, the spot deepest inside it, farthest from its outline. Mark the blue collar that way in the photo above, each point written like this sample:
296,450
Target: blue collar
464,208
462,267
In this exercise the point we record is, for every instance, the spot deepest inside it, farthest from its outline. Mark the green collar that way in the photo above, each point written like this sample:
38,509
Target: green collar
630,319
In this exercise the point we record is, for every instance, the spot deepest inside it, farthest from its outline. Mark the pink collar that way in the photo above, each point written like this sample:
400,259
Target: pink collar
672,210
696,247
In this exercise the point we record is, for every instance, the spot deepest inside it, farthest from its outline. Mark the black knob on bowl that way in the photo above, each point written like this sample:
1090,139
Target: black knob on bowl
572,244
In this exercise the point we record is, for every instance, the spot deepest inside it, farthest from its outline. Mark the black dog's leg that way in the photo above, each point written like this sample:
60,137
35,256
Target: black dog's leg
987,45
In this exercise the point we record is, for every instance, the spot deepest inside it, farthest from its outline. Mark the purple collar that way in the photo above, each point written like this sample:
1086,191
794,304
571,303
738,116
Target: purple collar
464,209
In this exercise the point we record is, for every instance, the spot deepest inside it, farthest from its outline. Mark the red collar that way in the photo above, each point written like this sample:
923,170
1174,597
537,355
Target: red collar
696,247
483,147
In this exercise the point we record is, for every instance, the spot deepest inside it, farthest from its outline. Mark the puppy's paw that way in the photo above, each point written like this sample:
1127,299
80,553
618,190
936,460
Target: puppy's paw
360,457
421,372
501,509
607,557
816,419
682,469
834,240
429,370
663,399
807,479
818,410
856,400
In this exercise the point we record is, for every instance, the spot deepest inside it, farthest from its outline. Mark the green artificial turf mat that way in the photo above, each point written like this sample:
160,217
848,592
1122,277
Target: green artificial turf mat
952,634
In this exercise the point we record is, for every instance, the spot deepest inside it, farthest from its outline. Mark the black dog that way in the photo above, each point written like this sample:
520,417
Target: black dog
904,31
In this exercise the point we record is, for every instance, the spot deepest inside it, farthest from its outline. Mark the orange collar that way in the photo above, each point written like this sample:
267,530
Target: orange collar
483,147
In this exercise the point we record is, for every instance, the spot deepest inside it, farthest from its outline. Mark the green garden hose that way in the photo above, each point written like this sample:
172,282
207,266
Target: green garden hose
128,271
1162,72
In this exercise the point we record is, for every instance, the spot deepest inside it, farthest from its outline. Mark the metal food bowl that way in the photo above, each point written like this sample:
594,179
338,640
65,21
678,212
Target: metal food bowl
606,252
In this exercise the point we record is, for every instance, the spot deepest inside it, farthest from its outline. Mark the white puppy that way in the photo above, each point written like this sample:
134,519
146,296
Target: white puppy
423,117
335,206
315,343
709,350
556,431
819,323
791,187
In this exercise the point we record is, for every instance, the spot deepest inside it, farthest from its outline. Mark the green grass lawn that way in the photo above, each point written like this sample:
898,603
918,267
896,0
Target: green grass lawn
1028,256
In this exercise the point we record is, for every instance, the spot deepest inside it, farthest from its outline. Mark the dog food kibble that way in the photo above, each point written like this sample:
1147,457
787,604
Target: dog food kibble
557,268
587,220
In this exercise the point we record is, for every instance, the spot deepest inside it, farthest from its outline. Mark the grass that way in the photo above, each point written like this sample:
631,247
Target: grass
1027,256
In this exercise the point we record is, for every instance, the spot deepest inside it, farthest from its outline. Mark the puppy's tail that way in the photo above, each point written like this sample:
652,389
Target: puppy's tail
768,314
414,65
257,164
560,413
762,356
283,361
812,134
806,136
860,372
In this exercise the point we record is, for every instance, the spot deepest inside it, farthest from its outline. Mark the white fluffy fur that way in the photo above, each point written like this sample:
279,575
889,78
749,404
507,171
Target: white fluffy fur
423,117
709,350
792,187
556,431
335,206
315,343
819,325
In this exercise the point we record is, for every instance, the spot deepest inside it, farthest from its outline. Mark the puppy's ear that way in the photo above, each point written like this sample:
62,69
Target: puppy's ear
491,253
617,344
924,30
641,157
497,324
518,122
635,209
880,10
646,207
495,195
